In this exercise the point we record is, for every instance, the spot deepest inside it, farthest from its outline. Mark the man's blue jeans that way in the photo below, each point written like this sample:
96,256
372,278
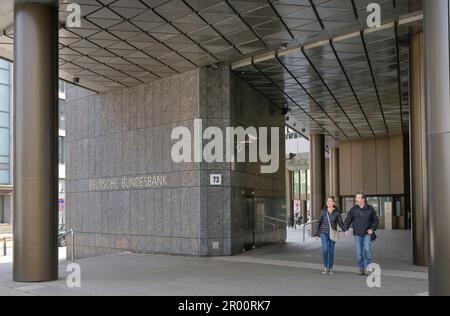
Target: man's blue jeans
363,251
327,251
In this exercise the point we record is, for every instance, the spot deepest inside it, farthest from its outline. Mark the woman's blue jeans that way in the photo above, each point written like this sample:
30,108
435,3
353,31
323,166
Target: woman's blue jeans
327,251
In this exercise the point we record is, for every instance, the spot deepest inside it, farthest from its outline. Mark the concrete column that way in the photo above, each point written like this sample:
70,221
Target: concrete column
317,163
304,204
8,209
334,174
35,140
327,177
418,137
437,80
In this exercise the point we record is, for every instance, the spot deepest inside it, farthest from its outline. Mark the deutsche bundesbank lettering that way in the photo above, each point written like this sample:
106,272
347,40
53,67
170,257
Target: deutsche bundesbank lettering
139,182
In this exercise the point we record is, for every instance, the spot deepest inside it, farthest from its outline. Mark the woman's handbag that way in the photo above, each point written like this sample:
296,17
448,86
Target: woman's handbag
334,234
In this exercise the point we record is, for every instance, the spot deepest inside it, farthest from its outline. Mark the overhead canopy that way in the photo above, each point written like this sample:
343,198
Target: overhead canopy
353,86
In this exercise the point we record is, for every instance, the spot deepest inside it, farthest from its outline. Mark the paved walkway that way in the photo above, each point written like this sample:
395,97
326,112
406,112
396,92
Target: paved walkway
290,269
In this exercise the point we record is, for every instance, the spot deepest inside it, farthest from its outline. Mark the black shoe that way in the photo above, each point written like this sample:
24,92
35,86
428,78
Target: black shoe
361,272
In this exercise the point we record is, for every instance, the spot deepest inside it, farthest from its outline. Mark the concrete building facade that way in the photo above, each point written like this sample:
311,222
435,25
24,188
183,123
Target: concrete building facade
6,158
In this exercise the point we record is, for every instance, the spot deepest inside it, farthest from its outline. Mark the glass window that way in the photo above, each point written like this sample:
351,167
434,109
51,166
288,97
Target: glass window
296,184
308,182
4,76
2,210
4,176
397,207
4,119
383,203
348,203
4,98
4,142
375,203
61,204
62,114
4,159
61,150
5,215
303,181
4,64
62,90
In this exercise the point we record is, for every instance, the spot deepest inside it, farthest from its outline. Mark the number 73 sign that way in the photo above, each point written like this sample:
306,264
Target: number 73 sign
215,179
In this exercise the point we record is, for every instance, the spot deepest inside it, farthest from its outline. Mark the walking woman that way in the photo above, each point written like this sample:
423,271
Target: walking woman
327,231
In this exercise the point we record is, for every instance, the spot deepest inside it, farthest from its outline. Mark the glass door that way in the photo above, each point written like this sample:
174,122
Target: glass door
249,220
2,210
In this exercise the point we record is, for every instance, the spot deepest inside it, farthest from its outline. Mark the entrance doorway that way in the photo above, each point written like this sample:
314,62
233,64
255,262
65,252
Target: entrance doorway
249,219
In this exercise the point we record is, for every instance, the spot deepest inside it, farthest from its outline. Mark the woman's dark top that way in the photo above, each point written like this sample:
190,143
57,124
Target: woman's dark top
323,227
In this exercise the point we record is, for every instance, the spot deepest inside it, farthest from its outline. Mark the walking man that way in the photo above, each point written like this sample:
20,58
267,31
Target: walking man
365,222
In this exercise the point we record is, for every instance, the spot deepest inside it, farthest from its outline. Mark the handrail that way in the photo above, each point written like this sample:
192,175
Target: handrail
70,232
307,224
268,223
275,219
265,231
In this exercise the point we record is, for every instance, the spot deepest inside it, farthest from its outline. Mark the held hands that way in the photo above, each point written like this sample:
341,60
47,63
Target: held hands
370,232
347,233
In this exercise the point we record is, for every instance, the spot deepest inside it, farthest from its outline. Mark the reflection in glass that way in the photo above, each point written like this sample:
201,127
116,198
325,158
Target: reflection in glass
296,184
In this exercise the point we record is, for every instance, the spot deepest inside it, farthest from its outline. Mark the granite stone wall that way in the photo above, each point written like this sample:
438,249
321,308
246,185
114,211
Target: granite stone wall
124,192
